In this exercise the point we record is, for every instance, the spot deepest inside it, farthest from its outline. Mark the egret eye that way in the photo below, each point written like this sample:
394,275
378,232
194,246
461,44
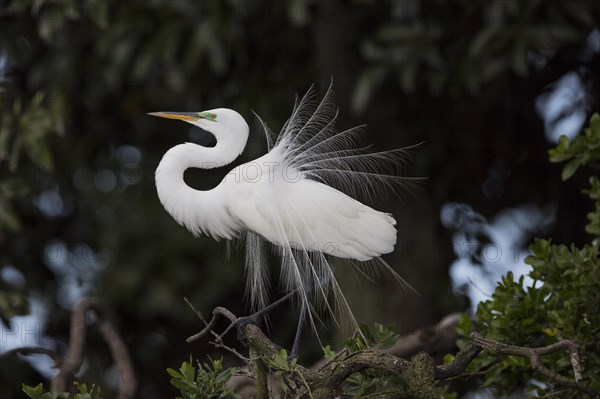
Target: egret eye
214,116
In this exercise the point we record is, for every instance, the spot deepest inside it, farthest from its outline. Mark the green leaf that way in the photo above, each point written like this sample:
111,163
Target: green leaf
570,169
448,358
366,333
560,153
174,373
595,127
32,392
328,354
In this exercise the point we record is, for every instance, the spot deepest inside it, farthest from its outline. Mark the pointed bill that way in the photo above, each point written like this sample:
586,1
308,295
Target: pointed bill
184,116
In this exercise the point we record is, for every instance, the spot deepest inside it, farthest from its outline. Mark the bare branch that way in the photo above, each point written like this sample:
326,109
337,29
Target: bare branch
218,311
120,355
534,357
77,340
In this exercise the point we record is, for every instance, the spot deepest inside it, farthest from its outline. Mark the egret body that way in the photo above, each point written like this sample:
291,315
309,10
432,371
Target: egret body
290,198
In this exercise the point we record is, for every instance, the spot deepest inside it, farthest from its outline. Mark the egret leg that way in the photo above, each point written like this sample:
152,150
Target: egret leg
301,321
255,317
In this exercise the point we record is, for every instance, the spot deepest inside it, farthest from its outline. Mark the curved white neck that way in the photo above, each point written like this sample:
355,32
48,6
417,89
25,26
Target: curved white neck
199,211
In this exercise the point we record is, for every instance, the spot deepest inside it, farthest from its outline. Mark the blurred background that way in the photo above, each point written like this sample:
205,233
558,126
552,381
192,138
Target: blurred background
486,86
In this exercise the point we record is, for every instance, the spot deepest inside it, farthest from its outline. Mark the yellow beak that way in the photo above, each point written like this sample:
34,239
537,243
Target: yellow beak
184,116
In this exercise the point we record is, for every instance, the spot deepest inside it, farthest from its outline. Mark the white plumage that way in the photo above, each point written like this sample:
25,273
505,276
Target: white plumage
289,197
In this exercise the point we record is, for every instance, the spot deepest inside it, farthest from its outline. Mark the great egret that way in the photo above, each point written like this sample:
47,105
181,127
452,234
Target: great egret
289,197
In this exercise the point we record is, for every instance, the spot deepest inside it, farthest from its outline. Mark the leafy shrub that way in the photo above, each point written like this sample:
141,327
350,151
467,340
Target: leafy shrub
562,303
38,392
208,380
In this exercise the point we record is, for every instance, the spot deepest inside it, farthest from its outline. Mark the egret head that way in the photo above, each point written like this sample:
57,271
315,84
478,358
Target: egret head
213,120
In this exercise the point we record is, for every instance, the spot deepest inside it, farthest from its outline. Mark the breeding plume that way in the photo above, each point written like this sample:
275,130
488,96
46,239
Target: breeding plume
298,198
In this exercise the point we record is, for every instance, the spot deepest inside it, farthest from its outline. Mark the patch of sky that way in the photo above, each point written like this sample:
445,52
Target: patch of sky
487,250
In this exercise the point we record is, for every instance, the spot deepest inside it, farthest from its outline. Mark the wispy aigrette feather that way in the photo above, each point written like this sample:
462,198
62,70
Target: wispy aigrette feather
309,143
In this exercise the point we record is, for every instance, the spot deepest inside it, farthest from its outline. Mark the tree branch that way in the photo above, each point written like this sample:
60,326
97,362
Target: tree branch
326,381
72,362
534,355
462,359
218,311
419,374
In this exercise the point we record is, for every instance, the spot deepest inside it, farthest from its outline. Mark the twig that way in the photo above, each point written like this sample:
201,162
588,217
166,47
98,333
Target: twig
534,357
305,384
232,350
218,311
200,316
217,343
262,389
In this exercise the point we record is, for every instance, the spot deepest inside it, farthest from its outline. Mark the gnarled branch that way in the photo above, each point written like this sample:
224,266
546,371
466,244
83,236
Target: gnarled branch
113,339
419,374
534,355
